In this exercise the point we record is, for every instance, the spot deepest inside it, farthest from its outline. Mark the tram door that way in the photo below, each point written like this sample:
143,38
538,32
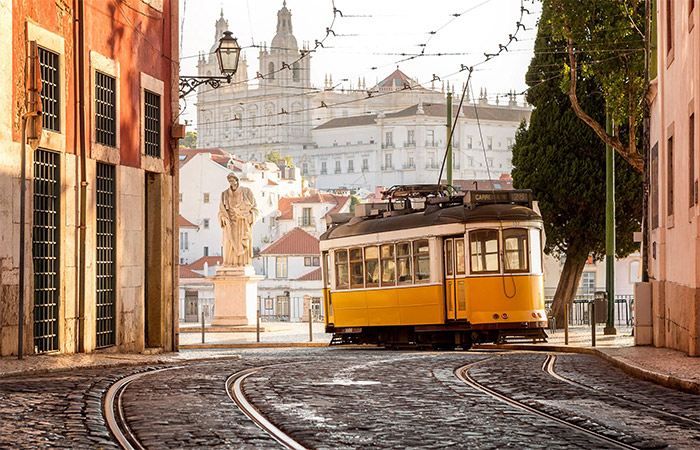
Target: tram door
455,271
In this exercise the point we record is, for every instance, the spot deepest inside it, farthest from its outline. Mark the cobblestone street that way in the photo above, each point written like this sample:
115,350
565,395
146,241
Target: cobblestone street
353,398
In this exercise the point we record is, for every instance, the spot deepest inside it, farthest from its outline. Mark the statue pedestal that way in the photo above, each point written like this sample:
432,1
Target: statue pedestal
235,296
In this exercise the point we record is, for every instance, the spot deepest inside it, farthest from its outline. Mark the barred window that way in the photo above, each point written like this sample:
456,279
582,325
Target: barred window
152,124
50,100
105,109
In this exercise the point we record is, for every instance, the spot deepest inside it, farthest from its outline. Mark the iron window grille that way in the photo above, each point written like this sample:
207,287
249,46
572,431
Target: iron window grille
50,101
46,250
152,124
106,256
105,110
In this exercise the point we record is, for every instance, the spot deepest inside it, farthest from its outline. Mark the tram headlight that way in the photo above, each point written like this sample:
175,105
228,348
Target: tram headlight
504,315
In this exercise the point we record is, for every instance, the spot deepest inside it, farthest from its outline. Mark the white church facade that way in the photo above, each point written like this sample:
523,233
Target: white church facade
391,133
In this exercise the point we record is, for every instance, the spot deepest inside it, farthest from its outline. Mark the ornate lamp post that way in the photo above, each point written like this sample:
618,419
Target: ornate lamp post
227,53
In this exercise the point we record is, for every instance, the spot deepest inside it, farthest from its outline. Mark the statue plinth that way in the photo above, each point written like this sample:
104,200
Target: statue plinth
235,296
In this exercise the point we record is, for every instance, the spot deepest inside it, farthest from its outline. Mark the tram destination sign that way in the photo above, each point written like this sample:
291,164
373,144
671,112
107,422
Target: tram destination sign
481,197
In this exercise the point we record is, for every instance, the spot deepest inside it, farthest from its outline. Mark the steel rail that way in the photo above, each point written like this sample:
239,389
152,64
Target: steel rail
548,368
117,424
463,374
234,390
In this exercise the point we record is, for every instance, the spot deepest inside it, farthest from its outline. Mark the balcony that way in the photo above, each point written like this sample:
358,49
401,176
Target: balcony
409,166
306,222
409,144
388,145
365,168
388,168
432,165
430,144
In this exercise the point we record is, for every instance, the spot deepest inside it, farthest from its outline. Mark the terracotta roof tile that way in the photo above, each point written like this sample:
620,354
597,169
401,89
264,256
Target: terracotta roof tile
210,260
188,153
314,275
284,205
271,183
342,201
297,242
186,223
188,273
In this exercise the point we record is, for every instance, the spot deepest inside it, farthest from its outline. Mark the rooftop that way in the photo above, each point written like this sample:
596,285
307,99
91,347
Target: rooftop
210,260
295,243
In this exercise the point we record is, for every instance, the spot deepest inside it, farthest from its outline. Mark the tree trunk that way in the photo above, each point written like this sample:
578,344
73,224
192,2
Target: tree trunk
567,287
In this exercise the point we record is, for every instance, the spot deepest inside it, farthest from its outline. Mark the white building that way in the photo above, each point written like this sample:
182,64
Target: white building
310,212
202,180
292,284
345,137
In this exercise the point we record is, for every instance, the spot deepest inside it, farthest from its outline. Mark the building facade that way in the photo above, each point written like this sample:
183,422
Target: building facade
674,244
391,132
99,255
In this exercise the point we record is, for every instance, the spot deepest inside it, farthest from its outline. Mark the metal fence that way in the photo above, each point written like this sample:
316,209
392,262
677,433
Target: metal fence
580,313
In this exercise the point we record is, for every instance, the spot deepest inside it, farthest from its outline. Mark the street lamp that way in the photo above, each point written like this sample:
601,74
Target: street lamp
227,53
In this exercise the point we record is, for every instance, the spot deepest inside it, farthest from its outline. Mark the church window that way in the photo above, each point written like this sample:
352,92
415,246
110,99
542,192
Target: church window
295,72
337,167
351,166
324,169
271,71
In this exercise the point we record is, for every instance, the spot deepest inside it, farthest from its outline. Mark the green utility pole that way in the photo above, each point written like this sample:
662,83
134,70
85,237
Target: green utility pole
610,229
449,140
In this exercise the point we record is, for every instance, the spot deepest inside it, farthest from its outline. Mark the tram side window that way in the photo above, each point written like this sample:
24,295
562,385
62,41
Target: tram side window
388,265
356,268
342,275
372,266
421,256
515,250
461,261
326,271
448,257
403,263
484,251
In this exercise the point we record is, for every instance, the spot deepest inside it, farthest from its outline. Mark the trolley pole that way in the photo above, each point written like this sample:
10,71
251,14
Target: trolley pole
449,142
610,230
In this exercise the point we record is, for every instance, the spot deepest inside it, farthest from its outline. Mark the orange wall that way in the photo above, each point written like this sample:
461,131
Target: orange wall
141,41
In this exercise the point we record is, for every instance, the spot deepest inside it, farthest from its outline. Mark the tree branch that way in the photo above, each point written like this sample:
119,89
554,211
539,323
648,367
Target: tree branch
631,157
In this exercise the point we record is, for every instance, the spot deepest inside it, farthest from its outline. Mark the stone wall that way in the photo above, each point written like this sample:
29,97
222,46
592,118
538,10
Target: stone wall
676,319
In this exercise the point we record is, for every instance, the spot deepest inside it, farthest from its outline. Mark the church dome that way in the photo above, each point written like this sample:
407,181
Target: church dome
284,41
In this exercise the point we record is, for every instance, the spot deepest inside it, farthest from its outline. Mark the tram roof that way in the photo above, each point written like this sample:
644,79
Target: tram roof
454,214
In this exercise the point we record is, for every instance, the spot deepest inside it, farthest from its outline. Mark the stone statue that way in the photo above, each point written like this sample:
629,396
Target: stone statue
237,214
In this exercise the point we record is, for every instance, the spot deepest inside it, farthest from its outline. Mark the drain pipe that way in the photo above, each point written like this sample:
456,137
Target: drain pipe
83,176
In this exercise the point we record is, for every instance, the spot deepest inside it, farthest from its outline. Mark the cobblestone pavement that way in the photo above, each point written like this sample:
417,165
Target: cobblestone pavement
349,398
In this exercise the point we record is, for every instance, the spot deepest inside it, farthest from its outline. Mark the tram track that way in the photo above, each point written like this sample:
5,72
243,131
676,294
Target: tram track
462,373
548,367
234,389
114,411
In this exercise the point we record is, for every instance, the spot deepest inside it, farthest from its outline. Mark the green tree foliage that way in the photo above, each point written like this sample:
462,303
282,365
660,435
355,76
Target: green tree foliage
602,41
190,140
275,157
560,158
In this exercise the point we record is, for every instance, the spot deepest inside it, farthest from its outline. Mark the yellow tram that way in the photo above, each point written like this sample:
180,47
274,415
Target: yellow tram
435,270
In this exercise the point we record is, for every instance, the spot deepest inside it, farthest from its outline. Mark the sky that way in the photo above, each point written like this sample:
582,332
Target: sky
372,37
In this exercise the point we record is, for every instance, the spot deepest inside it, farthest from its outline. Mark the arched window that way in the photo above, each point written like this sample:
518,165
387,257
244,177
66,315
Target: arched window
271,71
295,72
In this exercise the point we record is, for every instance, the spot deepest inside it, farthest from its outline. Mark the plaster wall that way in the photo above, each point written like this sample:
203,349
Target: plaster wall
675,243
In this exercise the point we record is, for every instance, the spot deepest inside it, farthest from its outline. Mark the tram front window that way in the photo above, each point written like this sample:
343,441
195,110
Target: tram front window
356,269
403,262
372,266
421,255
388,265
484,251
342,275
515,250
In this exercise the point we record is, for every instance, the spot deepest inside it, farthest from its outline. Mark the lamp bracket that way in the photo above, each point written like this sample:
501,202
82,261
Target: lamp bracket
189,84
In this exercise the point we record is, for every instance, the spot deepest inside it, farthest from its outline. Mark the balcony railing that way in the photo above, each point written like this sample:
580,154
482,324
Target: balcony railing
307,222
389,167
365,168
388,145
430,144
432,165
409,144
409,166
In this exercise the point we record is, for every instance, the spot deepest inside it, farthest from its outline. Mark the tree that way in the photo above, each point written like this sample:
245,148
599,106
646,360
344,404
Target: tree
275,157
190,140
563,162
604,40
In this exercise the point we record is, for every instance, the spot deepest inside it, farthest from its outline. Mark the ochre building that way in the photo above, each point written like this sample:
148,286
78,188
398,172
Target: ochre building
98,247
